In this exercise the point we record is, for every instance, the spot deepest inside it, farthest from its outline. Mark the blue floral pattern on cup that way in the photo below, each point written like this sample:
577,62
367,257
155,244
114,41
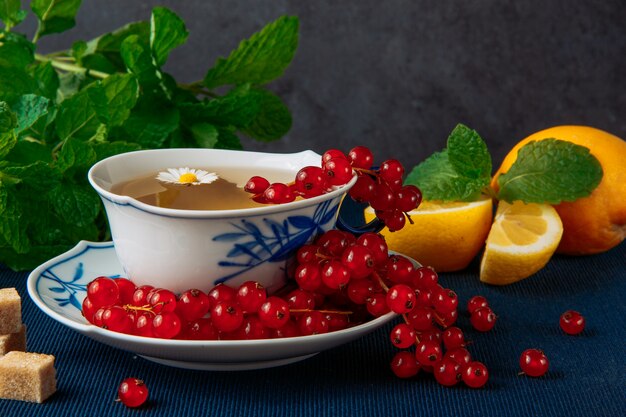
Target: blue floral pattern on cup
271,241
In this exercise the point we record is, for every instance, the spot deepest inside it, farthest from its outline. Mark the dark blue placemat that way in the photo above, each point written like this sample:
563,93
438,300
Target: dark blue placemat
587,375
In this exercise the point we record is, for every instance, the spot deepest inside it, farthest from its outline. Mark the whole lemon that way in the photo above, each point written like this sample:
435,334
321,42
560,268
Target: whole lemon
595,223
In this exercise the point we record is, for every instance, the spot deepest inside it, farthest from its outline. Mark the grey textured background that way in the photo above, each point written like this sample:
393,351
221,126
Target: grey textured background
398,75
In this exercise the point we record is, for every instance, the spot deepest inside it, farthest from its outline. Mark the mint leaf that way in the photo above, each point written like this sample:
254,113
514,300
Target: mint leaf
75,203
205,135
458,173
8,119
39,176
104,51
81,115
121,91
150,124
11,228
46,79
54,15
227,139
138,59
15,82
75,154
259,59
106,149
167,31
273,120
550,171
11,13
468,153
438,180
16,51
29,108
26,152
237,108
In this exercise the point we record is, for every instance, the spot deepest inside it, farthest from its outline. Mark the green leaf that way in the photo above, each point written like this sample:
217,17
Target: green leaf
39,175
69,84
468,153
106,149
438,180
46,79
550,171
272,121
75,154
238,108
81,115
227,139
75,203
27,152
15,82
138,59
54,16
121,91
11,13
104,51
167,31
150,124
8,119
259,59
205,135
29,109
12,229
16,51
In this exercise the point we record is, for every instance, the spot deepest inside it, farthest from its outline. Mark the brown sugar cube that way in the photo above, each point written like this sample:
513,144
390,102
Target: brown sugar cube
27,376
10,311
13,341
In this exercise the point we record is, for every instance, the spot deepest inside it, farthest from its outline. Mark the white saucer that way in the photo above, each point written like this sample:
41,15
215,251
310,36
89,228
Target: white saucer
58,288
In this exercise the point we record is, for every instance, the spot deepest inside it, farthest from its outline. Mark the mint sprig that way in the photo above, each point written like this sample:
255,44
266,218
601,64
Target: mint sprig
459,173
547,171
61,112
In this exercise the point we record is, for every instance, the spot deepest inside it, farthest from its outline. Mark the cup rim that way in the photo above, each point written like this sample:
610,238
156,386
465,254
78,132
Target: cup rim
123,200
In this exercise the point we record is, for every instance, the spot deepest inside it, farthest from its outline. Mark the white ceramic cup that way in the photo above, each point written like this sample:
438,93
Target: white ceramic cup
185,249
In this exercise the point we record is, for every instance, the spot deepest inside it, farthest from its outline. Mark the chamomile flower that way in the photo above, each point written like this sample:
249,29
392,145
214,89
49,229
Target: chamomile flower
186,176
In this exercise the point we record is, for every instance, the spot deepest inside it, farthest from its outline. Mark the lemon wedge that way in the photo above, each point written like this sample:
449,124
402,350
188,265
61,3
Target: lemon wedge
521,241
445,236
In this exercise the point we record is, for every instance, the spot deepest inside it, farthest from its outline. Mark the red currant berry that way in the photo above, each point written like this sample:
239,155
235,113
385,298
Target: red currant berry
227,316
256,185
132,392
140,296
384,198
425,278
201,329
274,312
404,364
476,302
251,329
162,300
534,362
475,374
359,261
447,372
278,193
400,298
290,329
360,290
309,276
221,292
391,171
332,154
166,325
394,219
421,318
338,171
334,242
453,338
192,305
408,198
402,336
300,299
361,157
572,322
335,275
116,318
483,319
310,182
312,322
307,253
376,305
127,290
445,301
428,352
88,310
459,355
143,325
250,296
363,189
399,269
103,291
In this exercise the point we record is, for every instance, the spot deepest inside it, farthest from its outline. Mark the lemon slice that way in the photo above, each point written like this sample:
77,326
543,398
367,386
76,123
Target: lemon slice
446,236
522,240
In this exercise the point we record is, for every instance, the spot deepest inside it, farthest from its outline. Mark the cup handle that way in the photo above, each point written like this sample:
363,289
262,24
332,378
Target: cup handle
351,218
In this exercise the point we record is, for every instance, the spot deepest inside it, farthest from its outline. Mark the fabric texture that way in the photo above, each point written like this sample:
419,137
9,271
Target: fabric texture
586,377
